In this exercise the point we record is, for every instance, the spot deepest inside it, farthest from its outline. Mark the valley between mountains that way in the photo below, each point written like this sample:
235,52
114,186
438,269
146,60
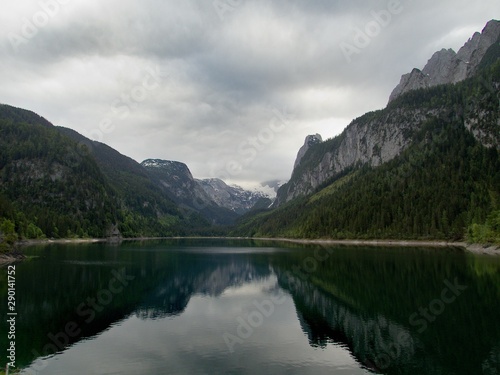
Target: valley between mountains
426,167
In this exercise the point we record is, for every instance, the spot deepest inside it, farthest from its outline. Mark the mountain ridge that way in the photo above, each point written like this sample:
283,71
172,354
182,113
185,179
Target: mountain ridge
379,136
176,180
385,176
233,197
447,66
425,167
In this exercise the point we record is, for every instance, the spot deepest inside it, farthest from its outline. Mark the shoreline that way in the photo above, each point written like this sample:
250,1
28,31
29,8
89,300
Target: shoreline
484,249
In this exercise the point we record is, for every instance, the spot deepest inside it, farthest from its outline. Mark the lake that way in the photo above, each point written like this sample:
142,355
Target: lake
253,307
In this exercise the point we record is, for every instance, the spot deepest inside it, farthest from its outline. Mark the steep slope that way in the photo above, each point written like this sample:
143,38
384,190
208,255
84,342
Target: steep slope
447,66
42,190
143,205
374,138
310,141
56,183
443,183
177,182
234,198
379,136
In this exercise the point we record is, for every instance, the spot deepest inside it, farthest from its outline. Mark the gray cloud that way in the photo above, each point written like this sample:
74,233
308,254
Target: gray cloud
227,75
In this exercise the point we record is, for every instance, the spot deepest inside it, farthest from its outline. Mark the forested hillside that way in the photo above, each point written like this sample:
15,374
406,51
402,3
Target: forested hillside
444,185
144,208
43,192
425,167
55,183
176,182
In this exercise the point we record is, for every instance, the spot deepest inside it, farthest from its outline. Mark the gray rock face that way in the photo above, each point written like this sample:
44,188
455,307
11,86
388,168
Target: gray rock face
233,197
446,66
177,180
410,81
310,141
373,141
378,137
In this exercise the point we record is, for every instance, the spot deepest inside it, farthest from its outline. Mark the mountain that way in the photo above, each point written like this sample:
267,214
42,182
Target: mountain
177,179
426,166
233,197
45,187
139,197
54,182
177,182
377,137
447,66
374,138
310,141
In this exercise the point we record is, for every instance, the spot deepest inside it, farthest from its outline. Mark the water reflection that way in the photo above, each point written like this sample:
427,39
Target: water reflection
370,300
351,307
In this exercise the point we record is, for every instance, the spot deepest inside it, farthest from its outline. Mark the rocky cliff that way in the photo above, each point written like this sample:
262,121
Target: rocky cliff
374,138
310,141
447,66
213,198
177,180
233,197
378,137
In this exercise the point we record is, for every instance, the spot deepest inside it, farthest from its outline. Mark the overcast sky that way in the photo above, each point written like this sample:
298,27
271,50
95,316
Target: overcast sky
230,87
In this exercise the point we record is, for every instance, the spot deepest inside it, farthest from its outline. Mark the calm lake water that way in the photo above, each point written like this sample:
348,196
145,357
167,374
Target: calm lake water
248,307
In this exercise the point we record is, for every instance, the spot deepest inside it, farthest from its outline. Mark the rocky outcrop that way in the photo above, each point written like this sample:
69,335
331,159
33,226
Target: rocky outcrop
447,66
378,137
410,81
176,179
310,141
374,138
233,197
213,198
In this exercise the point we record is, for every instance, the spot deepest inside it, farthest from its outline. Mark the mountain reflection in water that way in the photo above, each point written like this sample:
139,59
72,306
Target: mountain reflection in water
351,305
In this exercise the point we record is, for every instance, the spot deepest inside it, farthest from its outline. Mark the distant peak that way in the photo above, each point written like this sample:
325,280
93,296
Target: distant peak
158,163
310,141
447,66
314,139
491,24
214,180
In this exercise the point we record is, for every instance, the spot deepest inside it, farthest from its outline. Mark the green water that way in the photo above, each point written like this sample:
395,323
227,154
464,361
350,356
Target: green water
248,307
